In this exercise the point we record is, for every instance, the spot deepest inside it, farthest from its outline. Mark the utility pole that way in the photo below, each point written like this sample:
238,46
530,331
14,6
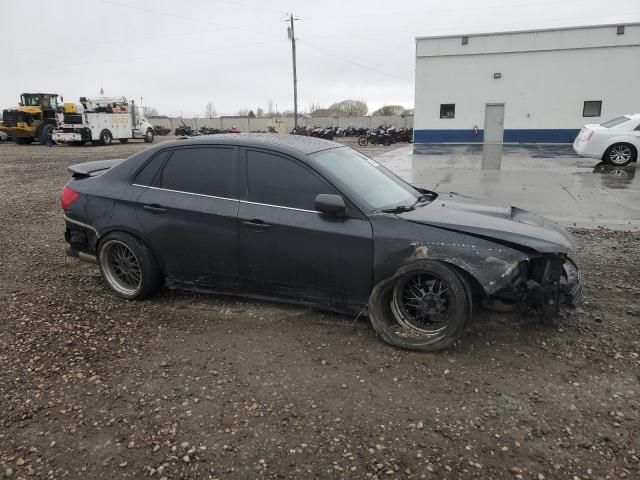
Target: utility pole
292,36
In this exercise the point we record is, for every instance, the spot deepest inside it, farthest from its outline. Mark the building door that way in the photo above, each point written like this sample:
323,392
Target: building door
494,123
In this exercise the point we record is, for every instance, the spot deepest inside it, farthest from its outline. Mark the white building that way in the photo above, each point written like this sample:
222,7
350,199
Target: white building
527,86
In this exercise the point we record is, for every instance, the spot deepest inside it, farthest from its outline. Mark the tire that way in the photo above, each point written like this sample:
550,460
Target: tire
149,136
128,266
620,154
105,137
363,141
44,134
387,142
23,140
388,309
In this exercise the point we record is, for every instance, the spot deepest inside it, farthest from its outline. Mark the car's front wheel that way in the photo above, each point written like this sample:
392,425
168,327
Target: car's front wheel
423,306
620,154
128,266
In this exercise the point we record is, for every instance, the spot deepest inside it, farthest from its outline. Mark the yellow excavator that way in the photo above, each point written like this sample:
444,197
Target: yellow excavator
33,119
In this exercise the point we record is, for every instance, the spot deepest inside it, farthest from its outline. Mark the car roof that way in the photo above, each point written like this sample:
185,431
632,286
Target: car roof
298,143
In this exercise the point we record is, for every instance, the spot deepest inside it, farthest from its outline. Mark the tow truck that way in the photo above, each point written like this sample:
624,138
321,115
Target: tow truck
102,120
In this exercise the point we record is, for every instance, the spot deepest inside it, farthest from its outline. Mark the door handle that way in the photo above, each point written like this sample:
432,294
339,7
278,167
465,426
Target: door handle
155,209
256,224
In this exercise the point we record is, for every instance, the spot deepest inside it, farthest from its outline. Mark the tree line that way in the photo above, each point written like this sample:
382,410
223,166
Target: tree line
346,108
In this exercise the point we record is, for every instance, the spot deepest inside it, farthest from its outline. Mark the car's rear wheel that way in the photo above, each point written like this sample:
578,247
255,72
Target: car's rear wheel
363,141
620,154
423,306
128,266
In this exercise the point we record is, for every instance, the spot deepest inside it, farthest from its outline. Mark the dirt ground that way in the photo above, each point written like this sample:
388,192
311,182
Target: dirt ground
187,386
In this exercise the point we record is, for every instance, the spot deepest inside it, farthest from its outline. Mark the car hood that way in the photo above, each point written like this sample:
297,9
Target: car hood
494,220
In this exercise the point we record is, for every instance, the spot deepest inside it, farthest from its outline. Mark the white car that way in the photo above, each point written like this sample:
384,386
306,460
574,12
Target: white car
616,142
3,137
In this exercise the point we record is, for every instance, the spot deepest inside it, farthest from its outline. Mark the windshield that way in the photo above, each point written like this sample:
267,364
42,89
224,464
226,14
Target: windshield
36,100
615,121
361,176
30,100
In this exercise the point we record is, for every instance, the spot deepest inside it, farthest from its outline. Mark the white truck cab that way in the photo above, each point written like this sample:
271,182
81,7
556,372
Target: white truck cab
102,120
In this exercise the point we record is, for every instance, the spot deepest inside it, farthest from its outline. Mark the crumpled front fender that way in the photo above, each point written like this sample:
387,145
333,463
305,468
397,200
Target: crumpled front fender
493,265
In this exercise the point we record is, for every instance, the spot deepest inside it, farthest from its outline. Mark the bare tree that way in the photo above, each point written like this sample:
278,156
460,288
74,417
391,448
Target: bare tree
243,112
210,111
260,113
315,106
353,108
150,111
270,108
389,110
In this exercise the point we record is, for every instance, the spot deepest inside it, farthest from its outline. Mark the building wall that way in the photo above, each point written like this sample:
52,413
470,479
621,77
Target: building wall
545,79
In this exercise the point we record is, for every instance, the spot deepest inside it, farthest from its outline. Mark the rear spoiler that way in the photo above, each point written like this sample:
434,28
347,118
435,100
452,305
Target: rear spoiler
92,169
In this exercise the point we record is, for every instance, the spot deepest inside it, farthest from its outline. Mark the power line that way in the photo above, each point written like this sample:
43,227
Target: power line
444,10
344,59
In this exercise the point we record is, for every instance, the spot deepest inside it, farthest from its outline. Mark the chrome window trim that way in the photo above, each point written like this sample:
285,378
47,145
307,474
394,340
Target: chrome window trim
186,193
81,224
225,198
279,206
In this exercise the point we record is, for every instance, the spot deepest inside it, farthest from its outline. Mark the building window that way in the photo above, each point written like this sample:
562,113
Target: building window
592,108
465,40
447,110
620,30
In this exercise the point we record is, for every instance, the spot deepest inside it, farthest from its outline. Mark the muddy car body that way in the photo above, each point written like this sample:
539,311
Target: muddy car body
310,221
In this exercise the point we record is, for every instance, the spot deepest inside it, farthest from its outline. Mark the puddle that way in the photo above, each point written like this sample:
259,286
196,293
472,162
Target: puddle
617,177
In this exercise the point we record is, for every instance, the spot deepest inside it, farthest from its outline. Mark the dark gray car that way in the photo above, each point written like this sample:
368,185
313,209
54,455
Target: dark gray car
313,222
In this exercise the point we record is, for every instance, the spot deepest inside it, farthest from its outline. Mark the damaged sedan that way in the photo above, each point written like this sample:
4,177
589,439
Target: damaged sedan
312,222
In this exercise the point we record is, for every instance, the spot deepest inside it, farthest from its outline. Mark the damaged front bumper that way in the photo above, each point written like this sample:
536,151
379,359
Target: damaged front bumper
545,283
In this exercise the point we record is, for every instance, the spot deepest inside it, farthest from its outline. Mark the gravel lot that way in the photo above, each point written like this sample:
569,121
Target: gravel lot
189,386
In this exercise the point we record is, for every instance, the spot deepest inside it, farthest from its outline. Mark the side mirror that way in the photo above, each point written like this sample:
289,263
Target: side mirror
331,204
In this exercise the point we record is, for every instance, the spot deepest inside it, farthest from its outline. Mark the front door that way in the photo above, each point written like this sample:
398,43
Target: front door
494,123
288,249
189,212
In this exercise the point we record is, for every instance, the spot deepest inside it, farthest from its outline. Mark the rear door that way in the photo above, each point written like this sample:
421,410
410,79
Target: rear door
287,248
189,213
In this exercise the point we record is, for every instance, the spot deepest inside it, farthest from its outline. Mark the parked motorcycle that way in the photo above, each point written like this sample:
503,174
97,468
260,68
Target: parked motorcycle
185,130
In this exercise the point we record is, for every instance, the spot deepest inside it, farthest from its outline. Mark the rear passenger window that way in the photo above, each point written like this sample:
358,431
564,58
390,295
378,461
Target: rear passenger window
203,170
149,171
275,180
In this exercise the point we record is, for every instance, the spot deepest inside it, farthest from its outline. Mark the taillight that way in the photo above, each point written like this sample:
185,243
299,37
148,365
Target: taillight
68,197
588,135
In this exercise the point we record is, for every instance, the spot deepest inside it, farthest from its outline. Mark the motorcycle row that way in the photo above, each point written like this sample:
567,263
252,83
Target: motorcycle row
376,136
186,130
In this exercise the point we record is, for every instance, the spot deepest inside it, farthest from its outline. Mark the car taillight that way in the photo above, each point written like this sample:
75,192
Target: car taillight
68,197
588,135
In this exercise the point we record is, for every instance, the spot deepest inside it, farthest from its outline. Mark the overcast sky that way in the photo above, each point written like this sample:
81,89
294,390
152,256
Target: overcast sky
180,54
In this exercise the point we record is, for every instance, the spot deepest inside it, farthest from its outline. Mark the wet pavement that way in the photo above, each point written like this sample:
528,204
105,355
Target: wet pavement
546,179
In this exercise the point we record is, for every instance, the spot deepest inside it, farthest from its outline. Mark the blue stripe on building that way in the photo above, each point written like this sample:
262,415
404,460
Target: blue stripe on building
537,135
